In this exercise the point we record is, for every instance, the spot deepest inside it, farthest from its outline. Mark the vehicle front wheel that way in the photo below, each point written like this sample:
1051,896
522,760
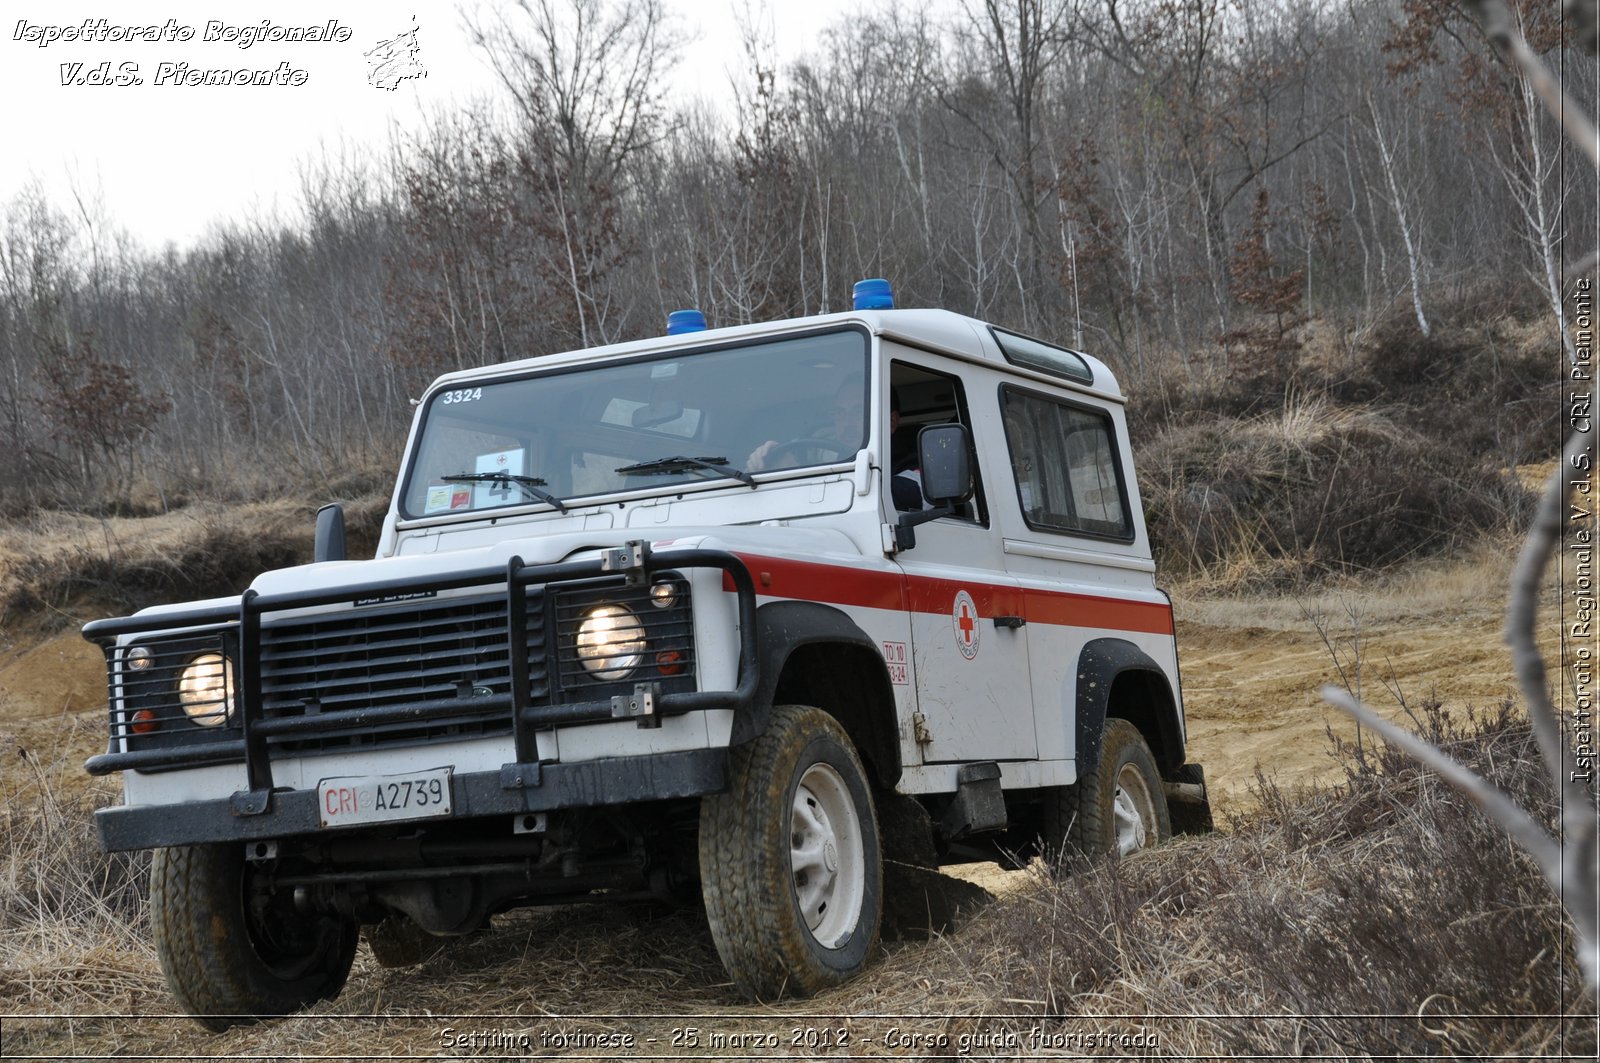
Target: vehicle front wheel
233,952
790,860
1118,806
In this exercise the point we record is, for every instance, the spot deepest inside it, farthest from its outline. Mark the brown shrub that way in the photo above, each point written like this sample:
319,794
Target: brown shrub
70,564
1314,488
1384,916
220,558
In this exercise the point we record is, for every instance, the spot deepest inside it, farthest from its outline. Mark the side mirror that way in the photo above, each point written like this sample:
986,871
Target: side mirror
945,451
945,454
329,543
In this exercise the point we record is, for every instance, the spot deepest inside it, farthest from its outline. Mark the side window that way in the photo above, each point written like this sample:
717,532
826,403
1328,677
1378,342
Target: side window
1065,463
918,398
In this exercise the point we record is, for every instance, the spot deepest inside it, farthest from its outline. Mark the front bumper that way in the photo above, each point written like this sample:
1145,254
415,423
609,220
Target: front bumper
512,790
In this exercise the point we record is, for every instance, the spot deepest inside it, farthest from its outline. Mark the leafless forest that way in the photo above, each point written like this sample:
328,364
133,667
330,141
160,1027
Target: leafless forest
1198,190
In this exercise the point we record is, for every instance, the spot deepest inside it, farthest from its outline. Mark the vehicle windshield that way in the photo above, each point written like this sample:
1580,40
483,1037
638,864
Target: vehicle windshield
657,422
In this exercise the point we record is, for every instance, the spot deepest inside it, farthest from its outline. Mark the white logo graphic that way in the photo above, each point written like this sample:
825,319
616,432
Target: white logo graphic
395,60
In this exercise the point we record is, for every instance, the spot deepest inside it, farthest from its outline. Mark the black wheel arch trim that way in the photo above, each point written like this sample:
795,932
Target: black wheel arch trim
1101,663
865,707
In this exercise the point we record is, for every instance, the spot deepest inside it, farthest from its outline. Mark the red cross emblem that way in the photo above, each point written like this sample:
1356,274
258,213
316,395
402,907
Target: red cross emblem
964,615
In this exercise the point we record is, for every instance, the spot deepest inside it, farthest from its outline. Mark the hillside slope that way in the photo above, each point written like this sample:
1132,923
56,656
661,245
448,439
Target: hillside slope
75,943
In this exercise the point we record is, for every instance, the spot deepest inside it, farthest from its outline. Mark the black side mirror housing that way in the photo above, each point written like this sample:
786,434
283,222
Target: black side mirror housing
329,542
945,451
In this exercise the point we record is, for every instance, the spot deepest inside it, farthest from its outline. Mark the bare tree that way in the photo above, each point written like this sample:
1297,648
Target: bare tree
588,77
1022,41
1398,201
1570,861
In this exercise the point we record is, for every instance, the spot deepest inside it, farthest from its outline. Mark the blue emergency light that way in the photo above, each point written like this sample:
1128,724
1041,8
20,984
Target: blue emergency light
681,321
874,294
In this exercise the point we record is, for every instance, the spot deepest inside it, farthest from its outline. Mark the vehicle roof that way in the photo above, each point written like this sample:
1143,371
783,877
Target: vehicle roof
943,331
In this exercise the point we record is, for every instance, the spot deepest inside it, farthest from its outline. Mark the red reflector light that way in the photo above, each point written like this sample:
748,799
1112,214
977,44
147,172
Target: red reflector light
670,662
144,721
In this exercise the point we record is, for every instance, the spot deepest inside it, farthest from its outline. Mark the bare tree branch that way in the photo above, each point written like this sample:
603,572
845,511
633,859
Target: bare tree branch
1572,864
1521,826
1501,28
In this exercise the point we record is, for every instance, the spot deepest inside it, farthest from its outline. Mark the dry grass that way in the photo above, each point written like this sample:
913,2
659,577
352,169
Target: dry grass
1469,583
1375,918
1314,489
1380,917
1361,454
64,564
73,933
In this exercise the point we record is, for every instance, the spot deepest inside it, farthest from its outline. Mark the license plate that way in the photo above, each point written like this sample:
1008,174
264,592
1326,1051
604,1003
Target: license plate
383,798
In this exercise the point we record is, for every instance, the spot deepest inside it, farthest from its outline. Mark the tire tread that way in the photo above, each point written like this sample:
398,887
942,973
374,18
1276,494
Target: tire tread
198,925
1078,820
753,921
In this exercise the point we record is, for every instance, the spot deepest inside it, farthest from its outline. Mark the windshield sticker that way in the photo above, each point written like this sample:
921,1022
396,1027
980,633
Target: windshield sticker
503,493
442,498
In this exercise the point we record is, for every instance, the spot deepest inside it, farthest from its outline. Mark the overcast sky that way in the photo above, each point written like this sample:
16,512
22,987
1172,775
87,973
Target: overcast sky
166,159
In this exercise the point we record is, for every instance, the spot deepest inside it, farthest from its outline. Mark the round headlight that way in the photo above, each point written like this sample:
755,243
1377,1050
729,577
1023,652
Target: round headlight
204,690
610,642
664,595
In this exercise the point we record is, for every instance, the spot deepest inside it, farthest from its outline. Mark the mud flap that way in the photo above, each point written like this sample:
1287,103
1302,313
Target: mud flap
979,804
1188,801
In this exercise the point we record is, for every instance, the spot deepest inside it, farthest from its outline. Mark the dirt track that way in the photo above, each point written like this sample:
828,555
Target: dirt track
1250,681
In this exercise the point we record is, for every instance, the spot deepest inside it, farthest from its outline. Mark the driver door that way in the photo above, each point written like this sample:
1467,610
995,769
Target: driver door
971,674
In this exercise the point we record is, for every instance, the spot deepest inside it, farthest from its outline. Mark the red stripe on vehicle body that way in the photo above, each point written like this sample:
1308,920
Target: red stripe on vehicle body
885,589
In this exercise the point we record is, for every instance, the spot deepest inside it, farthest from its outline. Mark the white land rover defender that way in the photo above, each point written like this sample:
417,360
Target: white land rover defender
741,612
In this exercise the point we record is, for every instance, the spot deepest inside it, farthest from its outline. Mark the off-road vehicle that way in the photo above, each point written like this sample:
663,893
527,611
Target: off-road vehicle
722,613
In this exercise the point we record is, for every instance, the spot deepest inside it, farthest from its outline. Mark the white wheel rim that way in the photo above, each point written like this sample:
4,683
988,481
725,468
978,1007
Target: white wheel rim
1132,811
826,859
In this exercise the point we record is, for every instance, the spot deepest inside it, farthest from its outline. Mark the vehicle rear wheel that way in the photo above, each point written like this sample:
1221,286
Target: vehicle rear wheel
1116,807
790,859
233,952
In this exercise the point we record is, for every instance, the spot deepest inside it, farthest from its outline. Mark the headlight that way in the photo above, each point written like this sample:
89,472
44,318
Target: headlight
610,642
665,594
204,690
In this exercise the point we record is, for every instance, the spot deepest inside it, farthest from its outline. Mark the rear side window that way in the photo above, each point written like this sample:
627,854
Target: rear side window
1064,459
1045,357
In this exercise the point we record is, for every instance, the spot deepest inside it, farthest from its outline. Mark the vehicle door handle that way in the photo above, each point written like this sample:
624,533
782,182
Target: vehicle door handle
1010,621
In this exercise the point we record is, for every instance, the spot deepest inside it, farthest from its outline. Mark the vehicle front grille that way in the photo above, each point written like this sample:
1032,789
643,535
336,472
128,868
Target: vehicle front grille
449,651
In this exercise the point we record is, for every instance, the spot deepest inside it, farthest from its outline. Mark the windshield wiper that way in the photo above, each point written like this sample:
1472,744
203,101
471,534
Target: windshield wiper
680,463
530,484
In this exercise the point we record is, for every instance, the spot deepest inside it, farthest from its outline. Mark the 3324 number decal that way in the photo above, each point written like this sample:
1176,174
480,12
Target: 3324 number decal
461,395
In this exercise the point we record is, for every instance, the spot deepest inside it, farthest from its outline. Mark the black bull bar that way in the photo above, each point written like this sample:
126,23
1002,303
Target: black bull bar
635,562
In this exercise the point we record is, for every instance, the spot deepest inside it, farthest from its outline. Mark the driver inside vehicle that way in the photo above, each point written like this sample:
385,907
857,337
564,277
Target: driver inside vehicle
842,436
